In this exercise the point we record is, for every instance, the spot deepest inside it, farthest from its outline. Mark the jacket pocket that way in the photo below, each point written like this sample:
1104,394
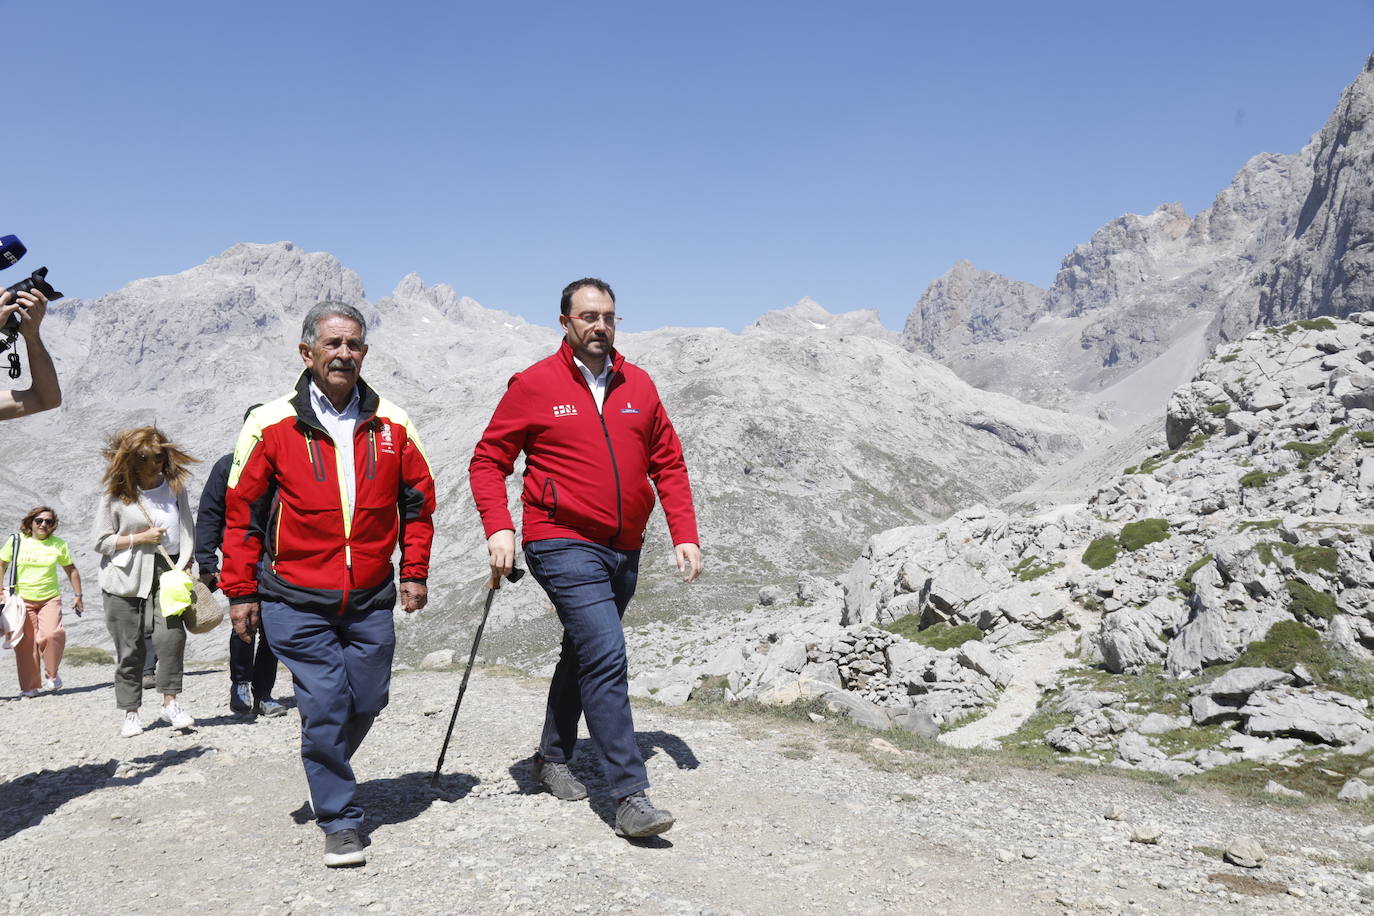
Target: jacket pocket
548,498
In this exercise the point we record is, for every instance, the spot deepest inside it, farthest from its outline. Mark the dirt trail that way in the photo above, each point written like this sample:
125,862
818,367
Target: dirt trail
773,816
1033,663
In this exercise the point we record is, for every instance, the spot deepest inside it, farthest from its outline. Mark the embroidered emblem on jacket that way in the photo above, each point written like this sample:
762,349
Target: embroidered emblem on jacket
629,408
565,410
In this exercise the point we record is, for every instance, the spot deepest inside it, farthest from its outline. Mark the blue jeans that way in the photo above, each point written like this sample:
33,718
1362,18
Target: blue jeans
341,667
590,587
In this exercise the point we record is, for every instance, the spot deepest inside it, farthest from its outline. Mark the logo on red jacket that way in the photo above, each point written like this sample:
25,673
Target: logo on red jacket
388,445
565,410
629,408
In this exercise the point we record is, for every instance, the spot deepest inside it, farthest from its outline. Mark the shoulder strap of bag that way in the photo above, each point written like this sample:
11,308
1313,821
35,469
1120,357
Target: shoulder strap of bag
12,574
160,549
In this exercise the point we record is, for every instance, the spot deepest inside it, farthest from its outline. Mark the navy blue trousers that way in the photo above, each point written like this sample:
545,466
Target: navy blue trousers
590,587
341,668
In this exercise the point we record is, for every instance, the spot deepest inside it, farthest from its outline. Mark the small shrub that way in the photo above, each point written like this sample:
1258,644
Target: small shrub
1257,525
1129,470
1229,358
1219,409
1306,602
1364,437
1185,582
1257,478
1101,553
1135,535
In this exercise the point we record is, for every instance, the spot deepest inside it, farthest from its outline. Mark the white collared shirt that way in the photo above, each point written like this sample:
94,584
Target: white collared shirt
340,424
597,383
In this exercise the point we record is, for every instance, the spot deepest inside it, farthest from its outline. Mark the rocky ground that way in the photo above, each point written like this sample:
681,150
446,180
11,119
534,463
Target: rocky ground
774,814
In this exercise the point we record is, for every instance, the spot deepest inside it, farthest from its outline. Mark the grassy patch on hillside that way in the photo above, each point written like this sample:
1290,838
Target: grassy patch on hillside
1184,583
1258,478
936,636
942,636
1228,358
1311,451
86,655
1268,524
1290,643
1309,559
1101,553
1191,446
1219,409
1032,567
1364,437
1307,603
1135,535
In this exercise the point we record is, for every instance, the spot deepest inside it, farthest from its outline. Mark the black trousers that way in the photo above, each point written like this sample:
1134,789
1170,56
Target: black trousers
258,668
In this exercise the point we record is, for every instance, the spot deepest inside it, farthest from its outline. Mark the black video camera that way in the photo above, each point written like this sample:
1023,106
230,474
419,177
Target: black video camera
11,250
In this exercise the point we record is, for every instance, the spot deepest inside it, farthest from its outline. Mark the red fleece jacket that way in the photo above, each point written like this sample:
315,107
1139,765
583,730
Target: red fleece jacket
586,473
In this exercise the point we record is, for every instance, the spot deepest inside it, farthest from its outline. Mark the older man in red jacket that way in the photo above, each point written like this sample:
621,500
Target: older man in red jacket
594,434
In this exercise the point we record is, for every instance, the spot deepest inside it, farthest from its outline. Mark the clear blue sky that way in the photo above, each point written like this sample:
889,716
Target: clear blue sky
712,160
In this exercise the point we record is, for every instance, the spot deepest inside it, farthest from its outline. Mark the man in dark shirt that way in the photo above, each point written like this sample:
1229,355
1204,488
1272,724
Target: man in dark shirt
252,673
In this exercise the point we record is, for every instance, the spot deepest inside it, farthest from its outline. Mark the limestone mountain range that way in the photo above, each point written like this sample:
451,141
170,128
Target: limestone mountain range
1289,238
802,439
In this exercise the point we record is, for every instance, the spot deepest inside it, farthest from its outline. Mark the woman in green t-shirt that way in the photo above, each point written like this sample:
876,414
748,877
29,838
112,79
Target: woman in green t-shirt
40,553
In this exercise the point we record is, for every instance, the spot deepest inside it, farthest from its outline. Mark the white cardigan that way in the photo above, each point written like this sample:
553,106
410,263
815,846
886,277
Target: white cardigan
129,571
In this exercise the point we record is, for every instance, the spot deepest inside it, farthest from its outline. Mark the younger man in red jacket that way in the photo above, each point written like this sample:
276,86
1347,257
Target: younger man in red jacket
594,434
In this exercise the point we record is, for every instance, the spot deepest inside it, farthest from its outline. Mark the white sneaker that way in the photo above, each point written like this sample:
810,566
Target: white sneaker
28,693
53,683
175,716
132,725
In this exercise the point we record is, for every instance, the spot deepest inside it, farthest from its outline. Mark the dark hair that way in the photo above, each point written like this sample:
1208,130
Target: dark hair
26,524
565,303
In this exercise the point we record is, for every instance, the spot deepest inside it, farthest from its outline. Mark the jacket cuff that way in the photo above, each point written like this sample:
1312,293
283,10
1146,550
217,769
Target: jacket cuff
246,599
424,582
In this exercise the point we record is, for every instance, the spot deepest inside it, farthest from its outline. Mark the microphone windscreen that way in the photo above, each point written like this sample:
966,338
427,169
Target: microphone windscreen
11,250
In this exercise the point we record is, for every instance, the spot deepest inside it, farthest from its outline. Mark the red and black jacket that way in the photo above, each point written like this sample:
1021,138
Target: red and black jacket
587,472
319,557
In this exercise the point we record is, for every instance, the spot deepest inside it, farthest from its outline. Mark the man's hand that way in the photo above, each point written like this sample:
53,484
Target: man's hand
210,580
246,617
414,596
501,554
31,306
688,561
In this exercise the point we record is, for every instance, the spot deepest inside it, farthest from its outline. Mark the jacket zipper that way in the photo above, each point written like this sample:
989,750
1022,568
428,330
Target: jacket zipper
615,468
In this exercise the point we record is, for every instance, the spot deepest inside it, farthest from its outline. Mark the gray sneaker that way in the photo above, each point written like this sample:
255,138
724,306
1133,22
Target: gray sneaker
638,817
558,779
342,848
269,707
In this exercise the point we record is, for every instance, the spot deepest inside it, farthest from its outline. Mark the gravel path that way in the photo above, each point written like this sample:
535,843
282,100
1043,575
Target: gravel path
773,816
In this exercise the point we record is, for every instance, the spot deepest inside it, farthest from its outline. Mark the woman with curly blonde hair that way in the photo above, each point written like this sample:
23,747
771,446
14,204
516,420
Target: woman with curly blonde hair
144,505
40,551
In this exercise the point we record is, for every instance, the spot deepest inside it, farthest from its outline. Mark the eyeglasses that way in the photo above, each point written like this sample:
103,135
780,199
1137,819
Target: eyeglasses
610,319
45,522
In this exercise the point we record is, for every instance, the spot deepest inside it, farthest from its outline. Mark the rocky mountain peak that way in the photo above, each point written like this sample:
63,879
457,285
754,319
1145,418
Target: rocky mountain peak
966,307
807,316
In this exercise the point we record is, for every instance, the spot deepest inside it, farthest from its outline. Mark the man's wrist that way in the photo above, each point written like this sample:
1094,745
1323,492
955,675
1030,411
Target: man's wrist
246,599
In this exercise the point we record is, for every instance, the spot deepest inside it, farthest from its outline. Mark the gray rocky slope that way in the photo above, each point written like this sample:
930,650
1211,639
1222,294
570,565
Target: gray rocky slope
771,816
805,434
1289,238
1234,568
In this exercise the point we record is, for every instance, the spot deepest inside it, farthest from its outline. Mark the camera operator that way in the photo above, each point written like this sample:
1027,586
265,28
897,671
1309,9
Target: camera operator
44,393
